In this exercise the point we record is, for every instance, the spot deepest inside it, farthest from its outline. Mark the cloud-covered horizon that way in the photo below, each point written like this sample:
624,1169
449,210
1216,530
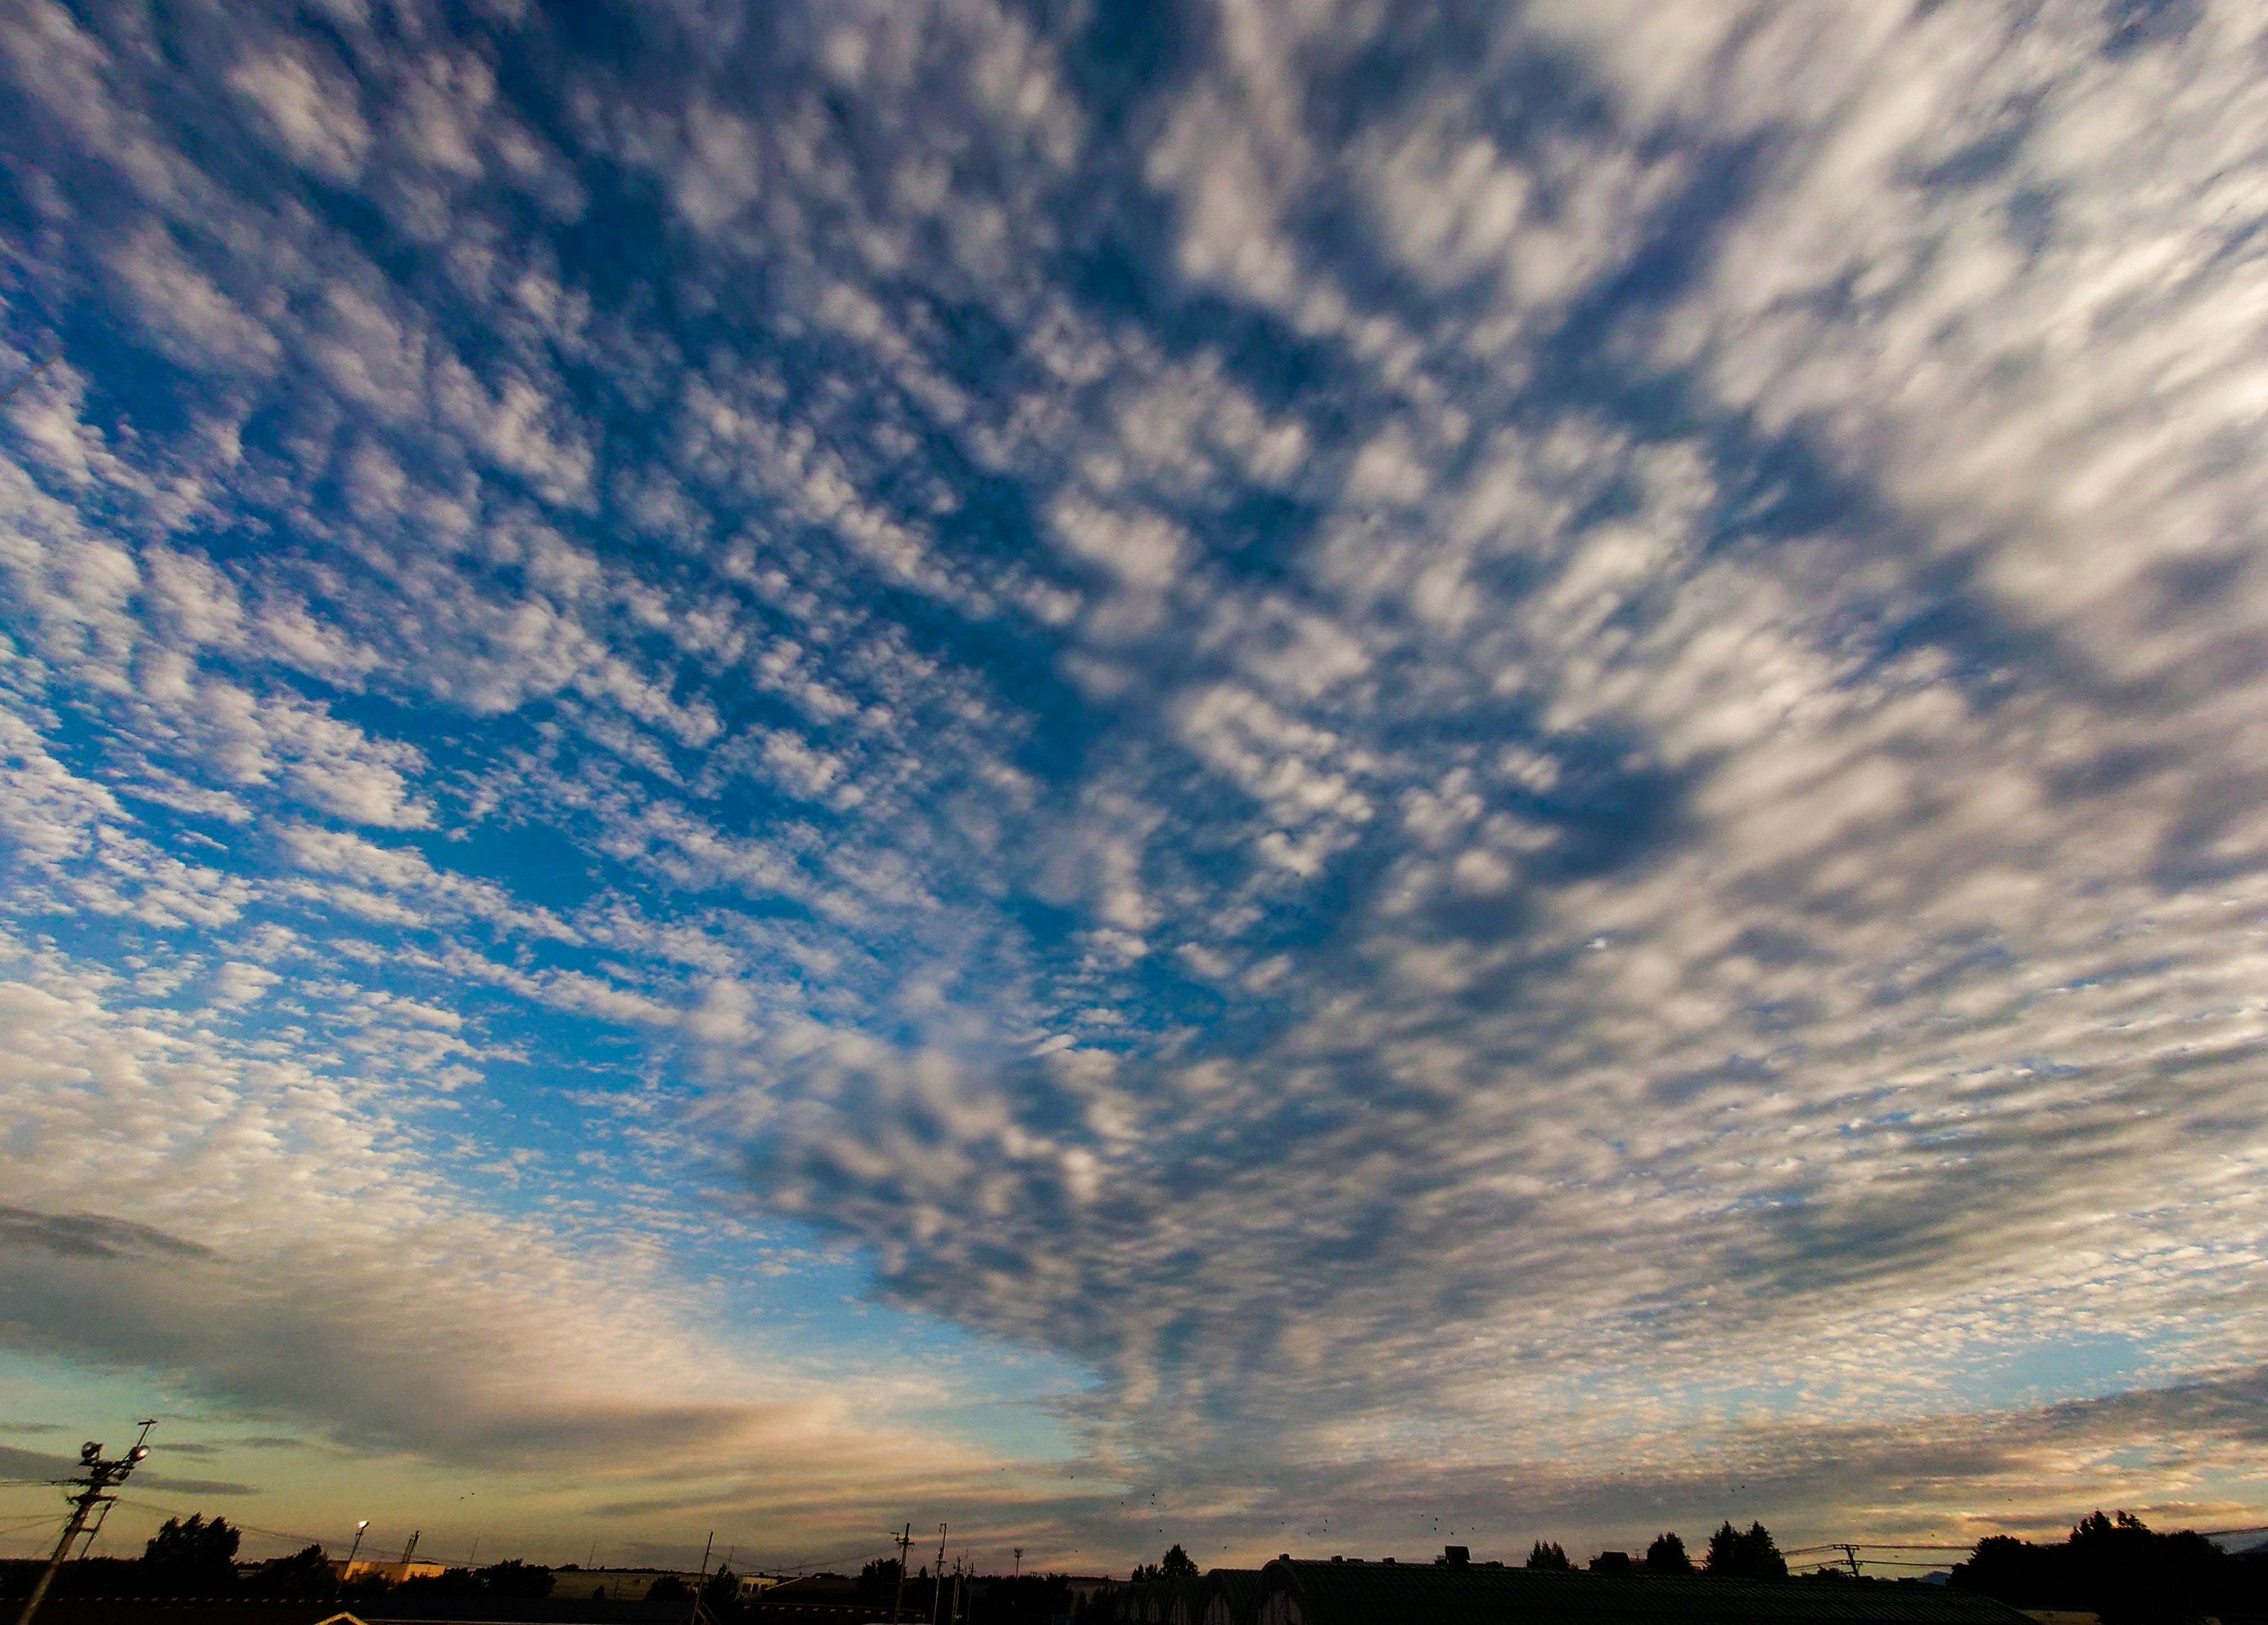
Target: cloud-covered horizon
1477,765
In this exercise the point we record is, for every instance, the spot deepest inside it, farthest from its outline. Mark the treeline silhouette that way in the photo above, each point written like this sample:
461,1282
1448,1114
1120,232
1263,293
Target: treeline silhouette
186,1558
509,1578
1176,1564
2111,1565
2121,1568
1748,1554
983,1599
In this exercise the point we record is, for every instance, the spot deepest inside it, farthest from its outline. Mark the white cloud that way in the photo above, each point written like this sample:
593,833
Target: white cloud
522,429
140,1164
190,317
312,115
50,814
721,173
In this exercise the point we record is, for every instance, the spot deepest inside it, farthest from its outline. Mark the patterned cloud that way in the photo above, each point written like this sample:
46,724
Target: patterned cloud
1177,769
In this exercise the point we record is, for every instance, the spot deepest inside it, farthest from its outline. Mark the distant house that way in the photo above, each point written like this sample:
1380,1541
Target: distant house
391,1572
812,1600
614,1584
632,1585
1342,1592
814,1588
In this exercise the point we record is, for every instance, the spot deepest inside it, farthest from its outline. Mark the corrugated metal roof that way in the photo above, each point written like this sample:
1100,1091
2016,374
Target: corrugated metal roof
1379,1594
1229,1595
1185,1601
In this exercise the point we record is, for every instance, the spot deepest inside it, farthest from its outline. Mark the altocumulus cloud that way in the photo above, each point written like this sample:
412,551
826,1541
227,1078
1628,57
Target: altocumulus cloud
1511,756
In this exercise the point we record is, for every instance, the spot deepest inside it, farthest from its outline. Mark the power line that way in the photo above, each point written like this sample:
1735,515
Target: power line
818,1563
1923,1546
8,393
12,1526
174,1511
1877,1563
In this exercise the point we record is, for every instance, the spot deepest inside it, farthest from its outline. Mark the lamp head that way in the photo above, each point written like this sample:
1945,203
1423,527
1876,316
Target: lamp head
138,1452
89,1451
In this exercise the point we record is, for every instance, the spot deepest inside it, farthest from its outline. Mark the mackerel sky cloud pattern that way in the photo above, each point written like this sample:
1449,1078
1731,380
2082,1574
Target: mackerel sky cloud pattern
1144,769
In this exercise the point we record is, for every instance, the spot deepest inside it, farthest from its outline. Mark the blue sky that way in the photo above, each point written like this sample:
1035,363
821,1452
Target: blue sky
1121,772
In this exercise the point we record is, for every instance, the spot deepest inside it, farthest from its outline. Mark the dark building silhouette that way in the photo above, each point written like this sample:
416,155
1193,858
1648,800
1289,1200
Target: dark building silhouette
1230,1595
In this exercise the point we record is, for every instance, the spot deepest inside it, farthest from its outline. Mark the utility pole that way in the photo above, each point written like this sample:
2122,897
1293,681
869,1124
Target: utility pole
1851,1554
898,1602
347,1573
700,1588
1019,1562
937,1591
96,1477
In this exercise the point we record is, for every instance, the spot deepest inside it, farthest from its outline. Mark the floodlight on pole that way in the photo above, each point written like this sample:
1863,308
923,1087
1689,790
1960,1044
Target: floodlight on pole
347,1573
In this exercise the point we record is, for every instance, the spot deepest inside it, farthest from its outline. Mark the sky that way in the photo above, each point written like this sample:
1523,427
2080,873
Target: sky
1295,776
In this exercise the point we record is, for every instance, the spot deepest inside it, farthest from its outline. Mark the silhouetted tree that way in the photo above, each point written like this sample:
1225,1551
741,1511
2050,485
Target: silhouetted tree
1666,1555
1612,1562
877,1583
1747,1554
1547,1555
2117,1567
509,1578
456,1582
669,1588
195,1559
722,1591
1175,1565
514,1578
305,1573
1024,1600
